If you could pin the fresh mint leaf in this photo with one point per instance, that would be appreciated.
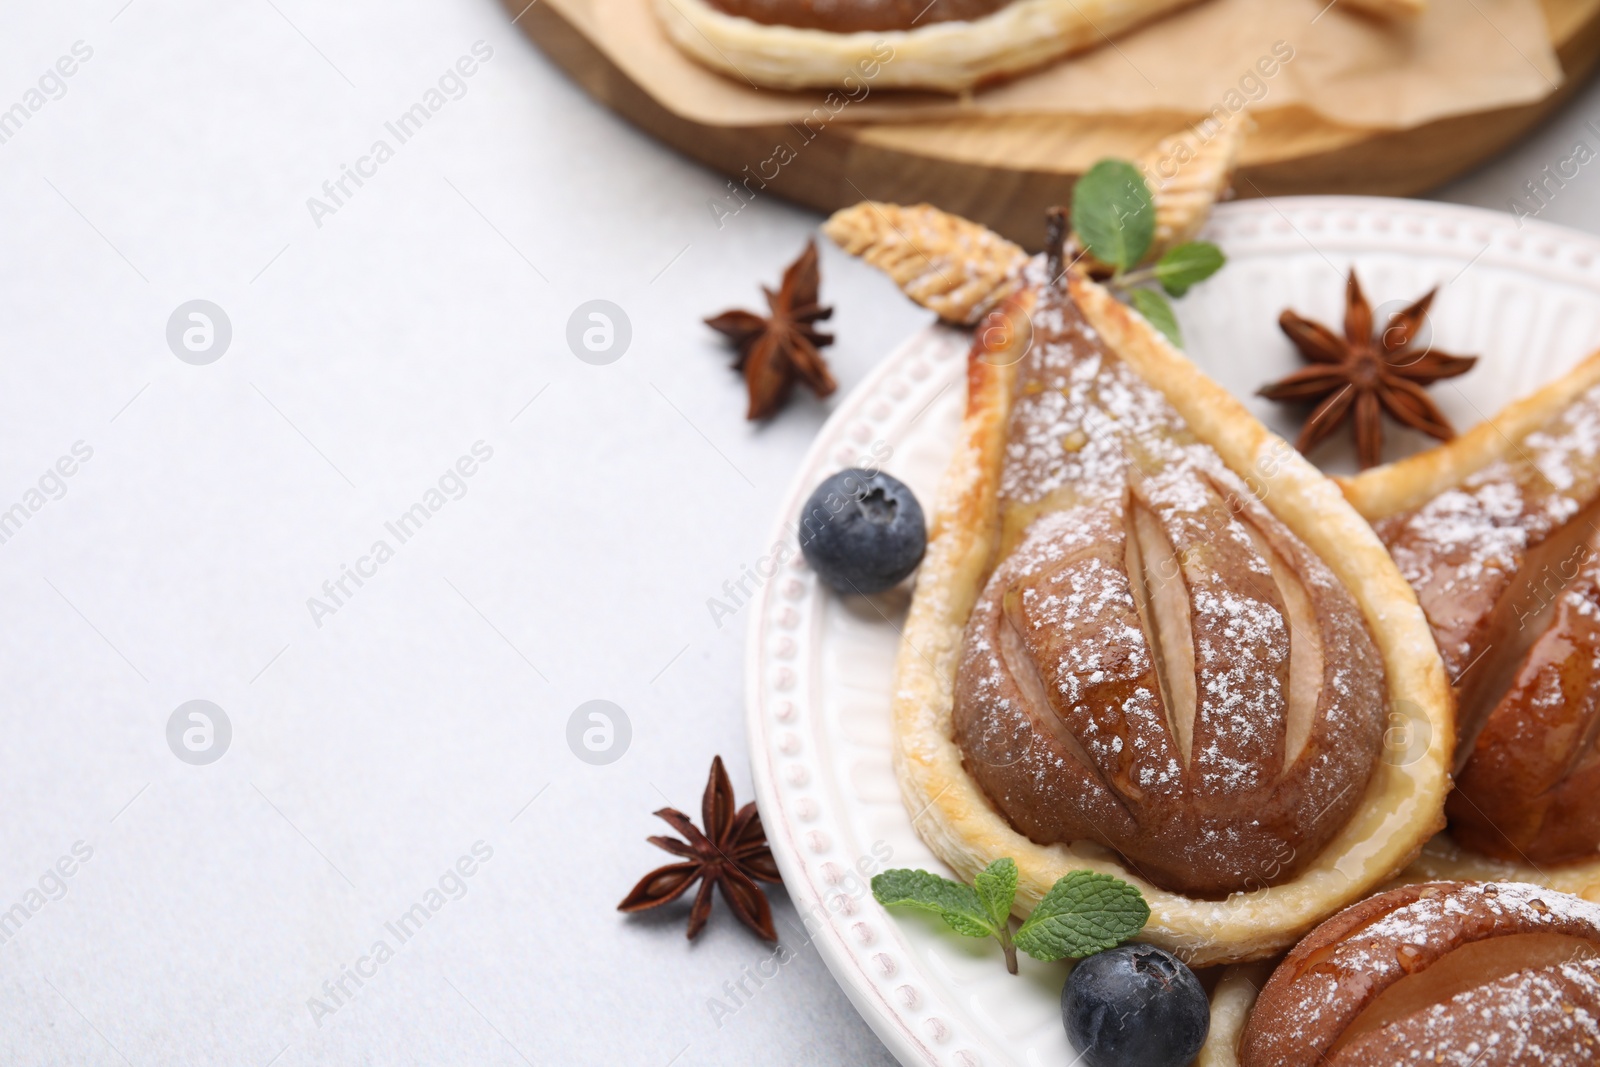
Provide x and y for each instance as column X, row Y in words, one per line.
column 1187, row 264
column 997, row 889
column 1084, row 913
column 1113, row 213
column 1158, row 313
column 958, row 905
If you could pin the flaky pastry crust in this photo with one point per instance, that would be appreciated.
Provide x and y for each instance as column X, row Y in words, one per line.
column 945, row 56
column 954, row 267
column 1188, row 172
column 1231, row 1001
column 1403, row 804
column 1409, row 483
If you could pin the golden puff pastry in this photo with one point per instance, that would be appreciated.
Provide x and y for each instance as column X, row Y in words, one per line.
column 1306, row 544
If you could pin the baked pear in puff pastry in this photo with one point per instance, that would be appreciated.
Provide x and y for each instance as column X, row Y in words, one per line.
column 1149, row 639
column 1157, row 663
column 1497, row 532
column 1482, row 973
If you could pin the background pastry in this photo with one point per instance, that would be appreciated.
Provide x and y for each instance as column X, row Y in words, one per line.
column 948, row 45
column 945, row 45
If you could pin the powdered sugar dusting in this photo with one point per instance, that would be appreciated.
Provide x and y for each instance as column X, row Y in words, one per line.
column 1545, row 1014
column 1461, row 550
column 1091, row 445
column 1528, row 1017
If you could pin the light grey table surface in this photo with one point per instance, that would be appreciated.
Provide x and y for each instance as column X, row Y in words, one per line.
column 378, row 739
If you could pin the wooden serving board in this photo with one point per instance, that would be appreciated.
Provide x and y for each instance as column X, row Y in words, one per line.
column 1006, row 171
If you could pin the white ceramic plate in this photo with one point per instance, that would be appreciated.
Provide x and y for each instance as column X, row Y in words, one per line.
column 819, row 668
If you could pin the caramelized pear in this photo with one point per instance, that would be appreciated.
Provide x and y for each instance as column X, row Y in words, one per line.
column 1503, row 560
column 1491, row 974
column 1157, row 664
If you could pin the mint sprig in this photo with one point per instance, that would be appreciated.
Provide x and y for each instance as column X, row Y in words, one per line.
column 1114, row 214
column 1114, row 218
column 1157, row 311
column 979, row 910
column 1186, row 265
column 1083, row 913
column 997, row 888
column 958, row 905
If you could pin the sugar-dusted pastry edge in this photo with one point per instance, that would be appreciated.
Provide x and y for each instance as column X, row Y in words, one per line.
column 1411, row 482
column 1231, row 1002
column 1404, row 805
column 943, row 56
column 1442, row 860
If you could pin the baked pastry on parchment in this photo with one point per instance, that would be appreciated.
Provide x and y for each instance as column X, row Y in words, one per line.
column 947, row 45
column 941, row 45
column 1150, row 639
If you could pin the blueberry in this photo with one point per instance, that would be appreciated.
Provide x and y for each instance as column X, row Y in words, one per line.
column 1135, row 1006
column 862, row 531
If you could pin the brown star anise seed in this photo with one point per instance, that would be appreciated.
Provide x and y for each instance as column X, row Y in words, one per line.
column 731, row 854
column 776, row 349
column 1362, row 376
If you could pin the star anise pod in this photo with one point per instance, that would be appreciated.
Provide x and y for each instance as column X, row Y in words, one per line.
column 732, row 854
column 1360, row 375
column 776, row 349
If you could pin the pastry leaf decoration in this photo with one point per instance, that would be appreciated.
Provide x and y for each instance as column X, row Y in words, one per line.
column 950, row 265
column 1083, row 913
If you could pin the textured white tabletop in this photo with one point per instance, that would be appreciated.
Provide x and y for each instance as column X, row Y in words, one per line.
column 194, row 513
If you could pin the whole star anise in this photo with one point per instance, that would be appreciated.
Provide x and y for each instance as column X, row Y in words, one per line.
column 776, row 349
column 731, row 854
column 1360, row 375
